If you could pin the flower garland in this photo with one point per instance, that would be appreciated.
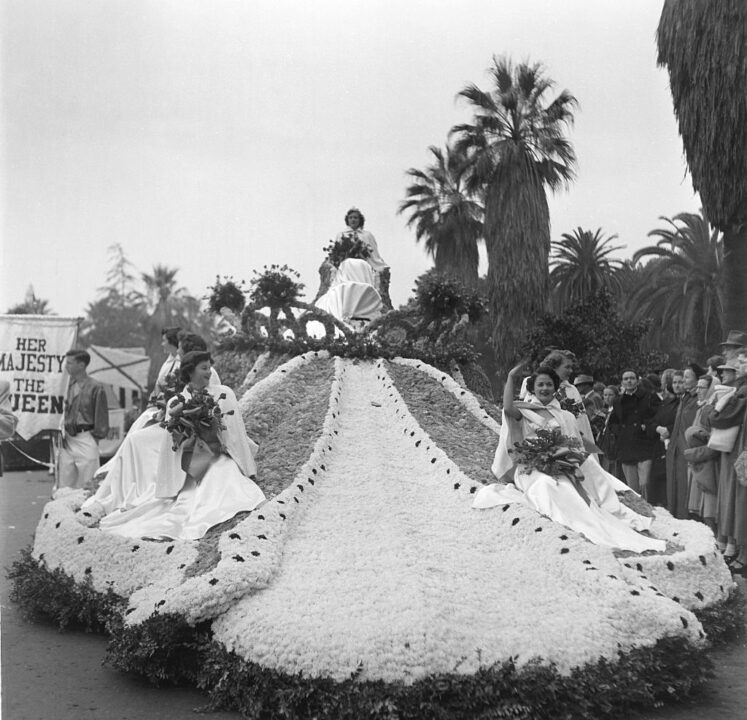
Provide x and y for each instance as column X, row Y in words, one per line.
column 460, row 392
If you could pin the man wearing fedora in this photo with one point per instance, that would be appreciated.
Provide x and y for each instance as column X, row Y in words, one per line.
column 735, row 342
column 592, row 400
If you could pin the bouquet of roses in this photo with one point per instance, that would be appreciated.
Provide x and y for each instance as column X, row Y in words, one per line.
column 550, row 452
column 198, row 417
column 349, row 246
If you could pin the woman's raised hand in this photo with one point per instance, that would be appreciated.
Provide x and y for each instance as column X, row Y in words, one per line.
column 514, row 371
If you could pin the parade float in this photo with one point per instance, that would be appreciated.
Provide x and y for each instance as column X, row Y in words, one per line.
column 367, row 586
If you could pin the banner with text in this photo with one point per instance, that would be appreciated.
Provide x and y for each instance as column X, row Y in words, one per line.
column 32, row 360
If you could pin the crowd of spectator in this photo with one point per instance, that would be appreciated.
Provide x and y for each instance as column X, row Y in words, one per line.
column 678, row 438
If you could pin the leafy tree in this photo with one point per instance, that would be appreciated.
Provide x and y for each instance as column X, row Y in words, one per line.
column 111, row 322
column 445, row 216
column 517, row 150
column 31, row 305
column 120, row 277
column 685, row 291
column 598, row 335
column 702, row 44
column 117, row 317
column 581, row 267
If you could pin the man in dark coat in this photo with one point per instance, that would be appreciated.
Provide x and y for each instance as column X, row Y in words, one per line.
column 634, row 412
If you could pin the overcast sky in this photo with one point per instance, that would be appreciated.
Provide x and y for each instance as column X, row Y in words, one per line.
column 222, row 136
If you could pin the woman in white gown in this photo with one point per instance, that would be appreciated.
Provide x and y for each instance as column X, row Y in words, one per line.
column 354, row 286
column 603, row 520
column 129, row 477
column 206, row 480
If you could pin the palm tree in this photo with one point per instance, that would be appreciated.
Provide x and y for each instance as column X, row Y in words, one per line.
column 445, row 216
column 685, row 289
column 517, row 150
column 701, row 43
column 581, row 267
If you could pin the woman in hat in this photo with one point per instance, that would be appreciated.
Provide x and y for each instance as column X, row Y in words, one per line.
column 701, row 460
column 206, row 464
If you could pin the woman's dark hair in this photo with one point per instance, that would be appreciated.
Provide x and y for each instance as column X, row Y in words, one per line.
column 707, row 378
column 190, row 361
column 172, row 335
column 614, row 389
column 357, row 212
column 191, row 342
column 697, row 369
column 555, row 358
column 543, row 370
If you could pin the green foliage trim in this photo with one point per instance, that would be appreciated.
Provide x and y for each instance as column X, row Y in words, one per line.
column 52, row 595
column 359, row 346
column 725, row 622
column 165, row 649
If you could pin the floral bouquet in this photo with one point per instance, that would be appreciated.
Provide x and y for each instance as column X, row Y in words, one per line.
column 551, row 453
column 349, row 246
column 226, row 294
column 275, row 286
column 198, row 417
column 572, row 406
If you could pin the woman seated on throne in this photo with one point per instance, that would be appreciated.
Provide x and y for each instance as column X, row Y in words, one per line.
column 354, row 277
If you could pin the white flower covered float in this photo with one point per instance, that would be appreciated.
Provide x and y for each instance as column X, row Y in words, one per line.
column 368, row 568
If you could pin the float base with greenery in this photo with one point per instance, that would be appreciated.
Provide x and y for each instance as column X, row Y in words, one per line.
column 367, row 586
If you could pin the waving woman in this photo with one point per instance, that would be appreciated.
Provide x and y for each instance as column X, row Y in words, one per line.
column 583, row 496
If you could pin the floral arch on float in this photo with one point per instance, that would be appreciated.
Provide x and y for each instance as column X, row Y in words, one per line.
column 366, row 586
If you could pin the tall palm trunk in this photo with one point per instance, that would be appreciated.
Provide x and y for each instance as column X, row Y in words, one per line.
column 517, row 235
column 459, row 260
column 735, row 277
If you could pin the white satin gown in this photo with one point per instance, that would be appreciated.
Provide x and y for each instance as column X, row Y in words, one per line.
column 178, row 507
column 352, row 292
column 604, row 521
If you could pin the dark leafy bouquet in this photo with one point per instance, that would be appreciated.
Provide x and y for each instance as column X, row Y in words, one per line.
column 566, row 403
column 276, row 286
column 227, row 294
column 550, row 452
column 442, row 297
column 349, row 246
column 198, row 417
